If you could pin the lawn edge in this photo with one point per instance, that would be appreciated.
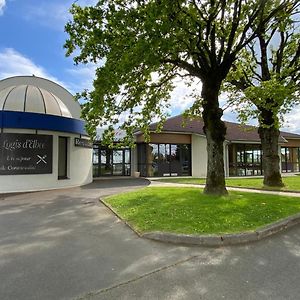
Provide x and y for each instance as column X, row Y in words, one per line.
column 102, row 200
column 213, row 240
column 234, row 186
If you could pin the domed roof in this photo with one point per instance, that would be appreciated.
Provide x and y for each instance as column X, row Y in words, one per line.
column 30, row 98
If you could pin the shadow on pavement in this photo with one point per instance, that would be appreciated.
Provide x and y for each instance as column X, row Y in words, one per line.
column 117, row 183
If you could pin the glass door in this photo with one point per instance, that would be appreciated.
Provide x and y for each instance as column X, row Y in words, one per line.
column 111, row 162
column 164, row 160
column 117, row 159
column 106, row 162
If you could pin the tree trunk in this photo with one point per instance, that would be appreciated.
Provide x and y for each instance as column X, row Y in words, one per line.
column 269, row 136
column 215, row 131
column 270, row 158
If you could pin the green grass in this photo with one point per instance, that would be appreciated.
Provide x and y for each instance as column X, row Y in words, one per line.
column 291, row 183
column 187, row 210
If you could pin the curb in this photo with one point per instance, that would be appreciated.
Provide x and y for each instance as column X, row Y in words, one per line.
column 226, row 239
column 214, row 240
column 119, row 217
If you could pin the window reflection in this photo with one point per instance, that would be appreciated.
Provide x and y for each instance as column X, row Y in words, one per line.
column 108, row 162
column 117, row 156
column 164, row 159
column 245, row 160
column 290, row 159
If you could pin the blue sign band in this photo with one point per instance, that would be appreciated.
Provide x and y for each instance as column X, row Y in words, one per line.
column 27, row 120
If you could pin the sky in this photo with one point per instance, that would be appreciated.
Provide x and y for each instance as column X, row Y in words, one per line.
column 31, row 42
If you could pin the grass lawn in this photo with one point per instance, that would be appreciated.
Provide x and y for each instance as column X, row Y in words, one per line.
column 187, row 210
column 292, row 183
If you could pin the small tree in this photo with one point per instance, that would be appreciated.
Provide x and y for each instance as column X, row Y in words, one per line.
column 267, row 76
column 144, row 44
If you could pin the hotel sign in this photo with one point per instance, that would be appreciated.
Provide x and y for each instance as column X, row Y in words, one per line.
column 83, row 143
column 25, row 154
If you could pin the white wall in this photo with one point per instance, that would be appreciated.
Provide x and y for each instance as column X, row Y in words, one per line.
column 79, row 168
column 199, row 156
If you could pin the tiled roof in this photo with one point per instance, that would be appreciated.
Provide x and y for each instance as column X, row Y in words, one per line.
column 235, row 131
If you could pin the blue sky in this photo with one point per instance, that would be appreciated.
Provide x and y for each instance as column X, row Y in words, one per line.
column 31, row 42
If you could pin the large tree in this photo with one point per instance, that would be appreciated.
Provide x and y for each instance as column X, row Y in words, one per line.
column 142, row 45
column 267, row 75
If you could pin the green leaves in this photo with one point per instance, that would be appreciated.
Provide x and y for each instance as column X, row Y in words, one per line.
column 141, row 46
column 266, row 73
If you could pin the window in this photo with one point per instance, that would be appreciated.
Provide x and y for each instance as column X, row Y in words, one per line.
column 95, row 161
column 108, row 162
column 164, row 159
column 62, row 157
column 245, row 160
column 290, row 159
column 105, row 162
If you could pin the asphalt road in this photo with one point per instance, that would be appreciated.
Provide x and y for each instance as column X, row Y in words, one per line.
column 65, row 245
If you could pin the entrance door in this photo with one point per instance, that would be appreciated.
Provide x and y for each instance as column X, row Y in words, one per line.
column 164, row 160
column 106, row 162
column 111, row 162
column 117, row 158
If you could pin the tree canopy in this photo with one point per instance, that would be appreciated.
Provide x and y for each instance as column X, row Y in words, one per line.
column 142, row 45
column 267, row 72
column 264, row 82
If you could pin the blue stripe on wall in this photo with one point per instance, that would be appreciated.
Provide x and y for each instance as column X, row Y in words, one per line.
column 27, row 120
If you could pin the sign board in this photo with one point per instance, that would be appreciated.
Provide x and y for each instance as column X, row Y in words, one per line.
column 83, row 143
column 25, row 154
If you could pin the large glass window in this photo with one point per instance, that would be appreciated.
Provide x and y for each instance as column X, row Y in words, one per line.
column 185, row 158
column 290, row 159
column 152, row 158
column 108, row 162
column 164, row 159
column 245, row 160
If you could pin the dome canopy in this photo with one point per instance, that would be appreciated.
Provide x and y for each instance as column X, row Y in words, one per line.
column 30, row 98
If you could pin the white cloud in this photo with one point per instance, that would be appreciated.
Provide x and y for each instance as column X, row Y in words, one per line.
column 13, row 63
column 292, row 121
column 181, row 97
column 83, row 76
column 2, row 6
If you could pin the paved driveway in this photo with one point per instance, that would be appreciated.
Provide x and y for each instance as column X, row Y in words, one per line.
column 63, row 245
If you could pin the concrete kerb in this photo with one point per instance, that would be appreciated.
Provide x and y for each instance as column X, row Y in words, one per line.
column 214, row 240
column 119, row 217
column 225, row 239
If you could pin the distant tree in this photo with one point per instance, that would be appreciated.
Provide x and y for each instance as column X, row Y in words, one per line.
column 144, row 44
column 267, row 75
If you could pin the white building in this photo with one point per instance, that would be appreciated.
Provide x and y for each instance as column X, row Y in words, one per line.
column 43, row 142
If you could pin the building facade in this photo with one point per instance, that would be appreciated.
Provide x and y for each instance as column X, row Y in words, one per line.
column 181, row 151
column 43, row 143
